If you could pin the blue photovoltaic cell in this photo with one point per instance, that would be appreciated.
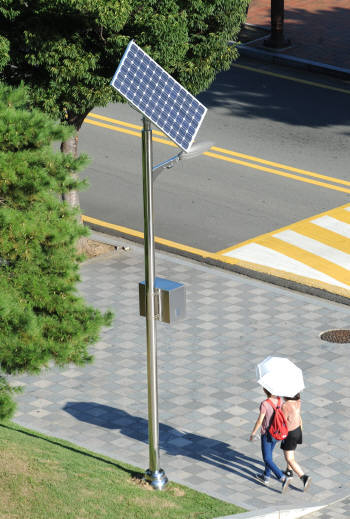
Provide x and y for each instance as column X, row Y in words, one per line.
column 158, row 96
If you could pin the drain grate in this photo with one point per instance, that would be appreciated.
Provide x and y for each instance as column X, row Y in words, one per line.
column 339, row 336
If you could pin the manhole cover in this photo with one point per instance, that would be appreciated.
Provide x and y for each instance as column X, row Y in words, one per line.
column 340, row 336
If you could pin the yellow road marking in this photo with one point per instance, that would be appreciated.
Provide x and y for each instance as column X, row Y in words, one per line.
column 230, row 159
column 130, row 132
column 342, row 215
column 307, row 258
column 276, row 172
column 222, row 150
column 122, row 123
column 162, row 241
column 300, row 223
column 110, row 127
column 282, row 166
column 325, row 236
column 305, row 227
column 290, row 78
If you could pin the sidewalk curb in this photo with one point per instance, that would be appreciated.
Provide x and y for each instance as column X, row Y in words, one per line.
column 284, row 512
column 282, row 59
column 255, row 274
column 272, row 513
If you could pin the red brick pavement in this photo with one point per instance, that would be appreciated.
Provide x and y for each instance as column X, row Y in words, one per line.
column 319, row 30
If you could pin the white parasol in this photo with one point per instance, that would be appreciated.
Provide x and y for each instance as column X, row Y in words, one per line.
column 280, row 376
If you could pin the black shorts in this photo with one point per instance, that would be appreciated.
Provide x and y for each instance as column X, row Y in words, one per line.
column 293, row 439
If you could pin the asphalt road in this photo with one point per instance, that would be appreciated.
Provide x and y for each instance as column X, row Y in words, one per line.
column 266, row 112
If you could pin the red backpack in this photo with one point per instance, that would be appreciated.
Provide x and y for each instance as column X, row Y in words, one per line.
column 278, row 427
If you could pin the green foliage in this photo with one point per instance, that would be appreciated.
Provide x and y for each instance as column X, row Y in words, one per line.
column 7, row 405
column 48, row 478
column 68, row 50
column 41, row 316
column 4, row 52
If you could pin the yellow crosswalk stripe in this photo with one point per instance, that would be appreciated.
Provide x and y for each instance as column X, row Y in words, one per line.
column 293, row 226
column 329, row 238
column 308, row 258
column 341, row 215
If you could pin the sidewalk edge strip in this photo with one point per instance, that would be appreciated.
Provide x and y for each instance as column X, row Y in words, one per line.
column 274, row 276
column 293, row 60
column 162, row 241
column 272, row 513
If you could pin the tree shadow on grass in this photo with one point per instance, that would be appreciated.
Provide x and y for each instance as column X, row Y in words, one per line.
column 172, row 441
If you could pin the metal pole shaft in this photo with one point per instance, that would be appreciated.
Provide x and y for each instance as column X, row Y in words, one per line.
column 277, row 39
column 154, row 474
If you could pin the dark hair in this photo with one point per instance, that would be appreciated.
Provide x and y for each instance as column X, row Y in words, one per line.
column 295, row 397
column 267, row 393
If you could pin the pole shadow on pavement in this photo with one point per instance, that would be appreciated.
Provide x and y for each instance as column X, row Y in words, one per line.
column 172, row 441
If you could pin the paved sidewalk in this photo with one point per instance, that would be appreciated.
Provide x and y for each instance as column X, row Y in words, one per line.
column 338, row 510
column 318, row 29
column 208, row 395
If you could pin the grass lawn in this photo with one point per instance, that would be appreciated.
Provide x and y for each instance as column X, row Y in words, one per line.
column 47, row 478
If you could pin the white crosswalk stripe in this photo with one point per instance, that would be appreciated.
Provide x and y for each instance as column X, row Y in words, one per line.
column 255, row 253
column 332, row 224
column 314, row 251
column 330, row 253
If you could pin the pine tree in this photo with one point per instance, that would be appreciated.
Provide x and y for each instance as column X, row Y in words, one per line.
column 42, row 317
column 4, row 52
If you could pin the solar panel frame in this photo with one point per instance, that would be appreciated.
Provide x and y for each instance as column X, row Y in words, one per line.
column 158, row 96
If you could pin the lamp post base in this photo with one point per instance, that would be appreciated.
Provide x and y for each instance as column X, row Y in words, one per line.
column 276, row 43
column 156, row 479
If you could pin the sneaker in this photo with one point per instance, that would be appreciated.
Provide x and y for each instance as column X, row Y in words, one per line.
column 306, row 481
column 262, row 478
column 285, row 484
column 288, row 473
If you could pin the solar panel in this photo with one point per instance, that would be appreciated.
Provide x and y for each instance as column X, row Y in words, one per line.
column 150, row 89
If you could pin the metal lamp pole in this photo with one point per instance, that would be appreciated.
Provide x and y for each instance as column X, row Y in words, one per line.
column 277, row 39
column 154, row 474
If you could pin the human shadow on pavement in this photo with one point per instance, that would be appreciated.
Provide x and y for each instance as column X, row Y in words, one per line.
column 172, row 441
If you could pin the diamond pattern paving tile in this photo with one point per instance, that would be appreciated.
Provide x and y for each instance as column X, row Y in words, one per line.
column 208, row 395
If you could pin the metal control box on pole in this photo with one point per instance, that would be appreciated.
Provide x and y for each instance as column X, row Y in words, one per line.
column 169, row 300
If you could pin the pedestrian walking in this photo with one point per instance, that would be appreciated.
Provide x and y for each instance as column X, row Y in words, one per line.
column 291, row 409
column 268, row 443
